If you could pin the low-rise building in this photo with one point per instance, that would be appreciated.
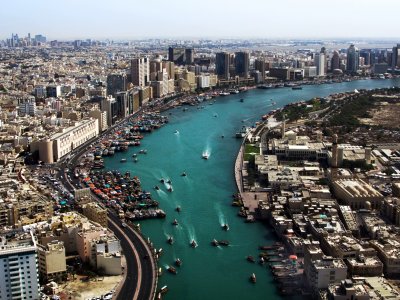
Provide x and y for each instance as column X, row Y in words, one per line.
column 326, row 271
column 94, row 212
column 52, row 262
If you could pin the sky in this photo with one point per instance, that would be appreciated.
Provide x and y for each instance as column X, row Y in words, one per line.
column 132, row 19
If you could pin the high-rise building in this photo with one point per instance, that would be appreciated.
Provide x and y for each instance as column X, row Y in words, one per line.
column 242, row 61
column 18, row 268
column 335, row 62
column 353, row 59
column 140, row 71
column 366, row 55
column 222, row 64
column 320, row 62
column 116, row 83
column 395, row 57
column 176, row 55
column 260, row 66
column 189, row 56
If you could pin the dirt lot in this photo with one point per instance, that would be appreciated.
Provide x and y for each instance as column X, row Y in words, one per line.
column 387, row 115
column 83, row 290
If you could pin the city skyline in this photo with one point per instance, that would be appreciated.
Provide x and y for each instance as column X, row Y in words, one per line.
column 285, row 19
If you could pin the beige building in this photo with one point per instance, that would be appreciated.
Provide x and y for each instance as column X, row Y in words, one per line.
column 94, row 212
column 140, row 71
column 52, row 262
column 101, row 117
column 106, row 255
column 60, row 144
column 326, row 271
column 347, row 289
column 389, row 254
column 357, row 193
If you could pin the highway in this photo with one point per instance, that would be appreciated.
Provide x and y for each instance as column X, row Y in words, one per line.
column 140, row 277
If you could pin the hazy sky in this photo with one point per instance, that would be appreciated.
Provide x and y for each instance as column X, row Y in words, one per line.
column 68, row 19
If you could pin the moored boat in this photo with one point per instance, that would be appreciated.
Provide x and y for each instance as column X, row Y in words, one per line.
column 123, row 160
column 172, row 270
column 250, row 259
column 253, row 278
column 178, row 262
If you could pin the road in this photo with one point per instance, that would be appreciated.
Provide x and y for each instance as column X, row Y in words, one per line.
column 140, row 279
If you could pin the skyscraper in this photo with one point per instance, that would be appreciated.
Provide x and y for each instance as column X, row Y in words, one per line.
column 140, row 71
column 189, row 56
column 395, row 57
column 353, row 59
column 176, row 55
column 116, row 83
column 242, row 61
column 335, row 62
column 259, row 65
column 222, row 64
column 320, row 62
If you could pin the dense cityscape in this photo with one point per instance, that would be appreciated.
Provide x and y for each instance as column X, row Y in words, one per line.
column 314, row 162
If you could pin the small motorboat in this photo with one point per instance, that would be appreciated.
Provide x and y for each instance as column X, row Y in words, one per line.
column 223, row 243
column 170, row 240
column 169, row 181
column 175, row 222
column 172, row 270
column 123, row 160
column 241, row 100
column 162, row 180
column 253, row 278
column 156, row 188
column 222, row 136
column 134, row 155
column 214, row 242
column 178, row 262
column 135, row 160
column 225, row 227
column 183, row 174
column 262, row 260
column 176, row 132
column 193, row 244
column 250, row 259
column 205, row 156
column 169, row 189
column 178, row 209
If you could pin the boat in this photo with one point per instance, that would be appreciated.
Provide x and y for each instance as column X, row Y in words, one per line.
column 134, row 155
column 183, row 174
column 223, row 243
column 178, row 209
column 297, row 87
column 169, row 181
column 143, row 151
column 123, row 160
column 175, row 222
column 164, row 289
column 170, row 240
column 135, row 160
column 205, row 155
column 176, row 131
column 172, row 270
column 156, row 188
column 250, row 259
column 162, row 180
column 169, row 189
column 178, row 262
column 241, row 100
column 225, row 227
column 253, row 278
column 193, row 244
column 222, row 136
column 214, row 242
column 243, row 132
column 159, row 271
column 224, row 94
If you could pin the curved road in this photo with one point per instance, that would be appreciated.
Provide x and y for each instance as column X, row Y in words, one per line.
column 139, row 282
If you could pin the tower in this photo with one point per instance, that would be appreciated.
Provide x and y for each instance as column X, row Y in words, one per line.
column 283, row 128
column 353, row 58
column 320, row 62
column 140, row 71
column 334, row 159
column 335, row 62
column 242, row 64
column 222, row 64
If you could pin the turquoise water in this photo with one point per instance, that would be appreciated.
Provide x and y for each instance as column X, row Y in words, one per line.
column 204, row 195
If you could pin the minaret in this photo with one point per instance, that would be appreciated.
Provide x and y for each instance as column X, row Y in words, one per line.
column 283, row 128
column 334, row 159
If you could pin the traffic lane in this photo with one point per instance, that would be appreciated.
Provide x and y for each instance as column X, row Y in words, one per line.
column 145, row 258
column 127, row 291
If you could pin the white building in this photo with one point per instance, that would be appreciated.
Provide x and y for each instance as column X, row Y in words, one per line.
column 140, row 71
column 326, row 271
column 320, row 62
column 74, row 136
column 203, row 81
column 18, row 268
column 27, row 108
